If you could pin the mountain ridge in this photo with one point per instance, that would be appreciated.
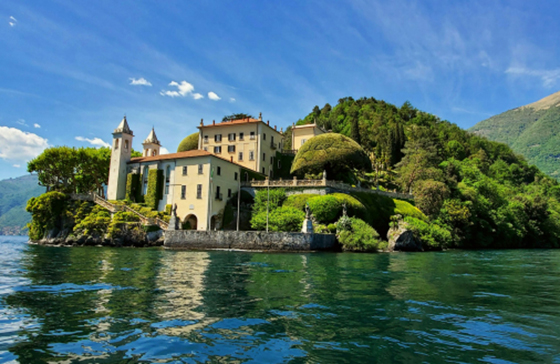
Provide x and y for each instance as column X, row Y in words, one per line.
column 14, row 193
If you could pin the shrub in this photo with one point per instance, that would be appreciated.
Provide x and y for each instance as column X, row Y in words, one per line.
column 405, row 208
column 189, row 143
column 95, row 223
column 432, row 235
column 280, row 219
column 359, row 237
column 46, row 211
column 274, row 199
column 331, row 228
column 325, row 208
column 298, row 201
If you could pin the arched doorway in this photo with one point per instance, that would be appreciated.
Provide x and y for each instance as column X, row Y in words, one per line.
column 214, row 223
column 190, row 222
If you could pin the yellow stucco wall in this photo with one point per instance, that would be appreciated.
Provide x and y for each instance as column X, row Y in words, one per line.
column 301, row 134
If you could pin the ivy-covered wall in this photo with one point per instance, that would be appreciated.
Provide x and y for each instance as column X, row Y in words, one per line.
column 285, row 165
column 133, row 188
column 155, row 188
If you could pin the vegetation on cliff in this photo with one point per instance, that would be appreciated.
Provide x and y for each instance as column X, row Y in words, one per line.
column 475, row 192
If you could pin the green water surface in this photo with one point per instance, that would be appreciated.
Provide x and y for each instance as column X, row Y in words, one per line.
column 107, row 305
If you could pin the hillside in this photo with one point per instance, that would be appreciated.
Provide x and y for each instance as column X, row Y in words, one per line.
column 532, row 130
column 14, row 193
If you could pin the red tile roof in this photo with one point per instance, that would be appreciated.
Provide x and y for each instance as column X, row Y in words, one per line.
column 237, row 122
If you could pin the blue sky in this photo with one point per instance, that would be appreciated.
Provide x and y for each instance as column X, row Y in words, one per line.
column 69, row 70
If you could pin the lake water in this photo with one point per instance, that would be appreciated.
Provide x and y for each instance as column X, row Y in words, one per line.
column 108, row 305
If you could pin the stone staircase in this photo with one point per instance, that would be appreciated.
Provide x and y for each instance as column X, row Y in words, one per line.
column 112, row 208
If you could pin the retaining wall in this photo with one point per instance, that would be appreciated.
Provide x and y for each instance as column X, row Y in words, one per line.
column 248, row 240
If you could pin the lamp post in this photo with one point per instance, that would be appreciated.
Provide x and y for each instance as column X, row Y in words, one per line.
column 238, row 199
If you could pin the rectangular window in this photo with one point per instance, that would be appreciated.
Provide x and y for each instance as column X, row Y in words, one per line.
column 218, row 193
column 183, row 192
column 303, row 141
column 241, row 136
column 229, row 193
column 231, row 148
column 271, row 160
column 219, row 171
column 264, row 172
column 252, row 136
column 218, row 138
column 206, row 139
column 240, row 156
column 251, row 155
column 235, row 176
column 217, row 150
column 167, row 189
column 264, row 136
column 231, row 137
column 272, row 140
column 279, row 164
column 184, row 170
column 199, row 191
column 200, row 169
column 264, row 157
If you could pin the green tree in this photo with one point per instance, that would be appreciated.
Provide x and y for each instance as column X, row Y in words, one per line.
column 237, row 116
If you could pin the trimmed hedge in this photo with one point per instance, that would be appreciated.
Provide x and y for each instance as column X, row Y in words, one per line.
column 279, row 219
column 133, row 190
column 335, row 153
column 189, row 143
column 299, row 201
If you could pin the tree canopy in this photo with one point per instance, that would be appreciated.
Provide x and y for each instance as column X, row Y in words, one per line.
column 237, row 116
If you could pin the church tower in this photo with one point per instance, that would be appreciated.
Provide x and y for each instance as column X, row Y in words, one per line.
column 151, row 145
column 120, row 155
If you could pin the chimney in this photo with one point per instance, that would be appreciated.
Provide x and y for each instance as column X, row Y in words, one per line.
column 281, row 130
column 213, row 122
column 275, row 127
column 260, row 116
column 201, row 122
column 267, row 122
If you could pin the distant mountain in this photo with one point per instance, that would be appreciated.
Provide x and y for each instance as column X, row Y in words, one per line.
column 532, row 130
column 14, row 193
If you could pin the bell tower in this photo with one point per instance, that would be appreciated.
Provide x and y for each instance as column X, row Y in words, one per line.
column 120, row 155
column 151, row 145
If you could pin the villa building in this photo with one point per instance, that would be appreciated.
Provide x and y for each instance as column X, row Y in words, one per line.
column 199, row 181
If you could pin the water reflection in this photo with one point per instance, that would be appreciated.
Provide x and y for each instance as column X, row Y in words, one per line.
column 146, row 305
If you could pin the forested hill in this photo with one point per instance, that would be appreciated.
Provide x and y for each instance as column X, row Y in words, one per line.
column 532, row 130
column 14, row 193
column 475, row 192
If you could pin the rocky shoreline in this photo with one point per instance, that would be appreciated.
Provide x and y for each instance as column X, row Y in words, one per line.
column 151, row 239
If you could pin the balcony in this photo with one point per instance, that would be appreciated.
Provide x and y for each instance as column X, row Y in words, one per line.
column 219, row 196
column 273, row 145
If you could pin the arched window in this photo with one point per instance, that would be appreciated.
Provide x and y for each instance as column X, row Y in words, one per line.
column 126, row 145
column 154, row 153
column 145, row 178
column 116, row 144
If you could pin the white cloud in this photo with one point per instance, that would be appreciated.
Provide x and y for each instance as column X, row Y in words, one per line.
column 21, row 122
column 17, row 145
column 231, row 99
column 163, row 150
column 13, row 21
column 183, row 89
column 213, row 96
column 549, row 77
column 95, row 141
column 37, row 126
column 140, row 82
column 17, row 165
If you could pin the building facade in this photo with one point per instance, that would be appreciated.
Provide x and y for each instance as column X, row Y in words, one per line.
column 302, row 133
column 199, row 181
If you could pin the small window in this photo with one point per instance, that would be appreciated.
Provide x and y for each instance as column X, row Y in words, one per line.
column 271, row 160
column 231, row 137
column 279, row 164
column 303, row 141
column 206, row 139
column 218, row 138
column 264, row 172
column 241, row 136
column 251, row 155
column 183, row 192
column 167, row 173
column 218, row 193
column 116, row 144
column 167, row 189
column 200, row 169
column 231, row 148
column 235, row 176
column 252, row 136
column 126, row 145
column 229, row 193
column 240, row 158
column 205, row 149
column 264, row 136
column 272, row 139
column 217, row 150
column 264, row 157
column 184, row 170
column 219, row 171
column 199, row 191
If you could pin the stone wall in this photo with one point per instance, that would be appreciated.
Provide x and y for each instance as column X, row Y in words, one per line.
column 248, row 240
